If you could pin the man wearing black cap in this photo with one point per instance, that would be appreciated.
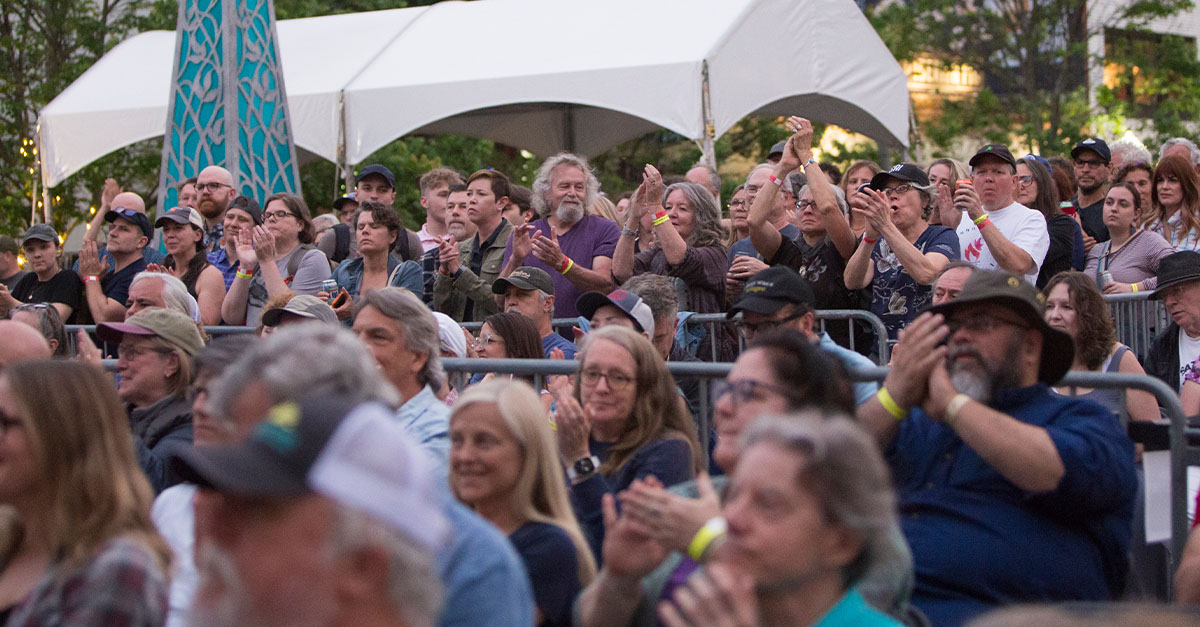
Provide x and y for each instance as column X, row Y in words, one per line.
column 1008, row 492
column 997, row 232
column 243, row 213
column 1173, row 353
column 106, row 292
column 780, row 297
column 1091, row 158
column 530, row 291
column 46, row 281
column 377, row 183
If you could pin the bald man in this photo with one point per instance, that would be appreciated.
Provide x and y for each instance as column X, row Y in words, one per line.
column 216, row 190
column 21, row 343
column 113, row 199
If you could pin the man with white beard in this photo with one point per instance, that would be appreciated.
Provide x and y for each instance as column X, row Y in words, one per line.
column 1009, row 492
column 574, row 248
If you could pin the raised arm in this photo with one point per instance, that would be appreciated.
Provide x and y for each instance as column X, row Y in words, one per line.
column 110, row 191
column 622, row 261
column 837, row 226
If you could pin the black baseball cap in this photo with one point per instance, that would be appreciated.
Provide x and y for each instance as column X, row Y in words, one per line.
column 381, row 171
column 906, row 172
column 526, row 278
column 1000, row 151
column 777, row 149
column 771, row 289
column 249, row 205
column 1094, row 144
column 137, row 218
column 343, row 201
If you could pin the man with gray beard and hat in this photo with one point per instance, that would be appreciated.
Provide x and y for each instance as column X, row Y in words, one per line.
column 1009, row 493
column 574, row 248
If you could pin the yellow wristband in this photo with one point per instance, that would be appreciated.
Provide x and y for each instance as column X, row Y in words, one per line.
column 980, row 219
column 567, row 266
column 242, row 275
column 713, row 529
column 662, row 220
column 1135, row 288
column 889, row 403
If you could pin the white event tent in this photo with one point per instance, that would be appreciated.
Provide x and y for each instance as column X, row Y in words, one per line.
column 540, row 75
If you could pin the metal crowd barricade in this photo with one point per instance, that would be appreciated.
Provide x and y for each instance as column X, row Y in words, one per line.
column 1137, row 319
column 72, row 329
column 714, row 326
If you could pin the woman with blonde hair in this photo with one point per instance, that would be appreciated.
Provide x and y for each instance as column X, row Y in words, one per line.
column 943, row 176
column 604, row 208
column 81, row 546
column 621, row 420
column 858, row 174
column 504, row 465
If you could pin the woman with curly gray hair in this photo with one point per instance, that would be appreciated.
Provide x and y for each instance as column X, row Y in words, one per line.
column 691, row 240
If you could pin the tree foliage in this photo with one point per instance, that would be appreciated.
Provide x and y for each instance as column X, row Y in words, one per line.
column 1033, row 54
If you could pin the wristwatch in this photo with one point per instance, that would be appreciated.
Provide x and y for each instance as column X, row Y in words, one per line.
column 583, row 467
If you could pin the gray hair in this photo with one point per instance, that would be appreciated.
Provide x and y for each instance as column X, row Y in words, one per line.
column 839, row 195
column 844, row 469
column 50, row 325
column 541, row 183
column 1131, row 152
column 418, row 324
column 756, row 169
column 659, row 293
column 414, row 587
column 714, row 177
column 1181, row 141
column 174, row 293
column 303, row 360
column 707, row 230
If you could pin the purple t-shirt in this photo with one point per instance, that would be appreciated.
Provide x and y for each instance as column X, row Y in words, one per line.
column 590, row 237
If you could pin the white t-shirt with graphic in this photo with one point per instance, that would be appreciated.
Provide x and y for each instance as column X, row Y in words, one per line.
column 1024, row 227
column 1189, row 350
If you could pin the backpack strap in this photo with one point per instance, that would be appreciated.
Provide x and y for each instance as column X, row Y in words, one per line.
column 341, row 246
column 294, row 260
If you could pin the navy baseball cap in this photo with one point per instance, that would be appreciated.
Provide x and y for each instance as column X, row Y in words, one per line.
column 1096, row 145
column 769, row 290
column 137, row 218
column 381, row 171
column 630, row 304
column 906, row 172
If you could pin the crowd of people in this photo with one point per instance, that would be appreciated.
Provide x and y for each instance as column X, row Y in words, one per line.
column 314, row 462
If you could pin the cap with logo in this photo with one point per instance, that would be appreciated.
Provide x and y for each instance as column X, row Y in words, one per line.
column 181, row 215
column 377, row 170
column 304, row 306
column 769, row 290
column 630, row 304
column 43, row 232
column 352, row 453
column 249, row 205
column 132, row 216
column 526, row 278
column 177, row 328
column 1098, row 146
column 906, row 172
column 999, row 151
column 1022, row 298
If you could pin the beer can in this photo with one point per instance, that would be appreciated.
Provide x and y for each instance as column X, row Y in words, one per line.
column 1105, row 278
column 959, row 184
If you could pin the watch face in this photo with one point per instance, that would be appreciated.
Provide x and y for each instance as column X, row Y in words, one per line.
column 584, row 466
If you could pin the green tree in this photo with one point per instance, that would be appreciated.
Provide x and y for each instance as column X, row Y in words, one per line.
column 1032, row 53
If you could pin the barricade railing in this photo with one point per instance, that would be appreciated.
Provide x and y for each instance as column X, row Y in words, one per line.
column 1137, row 320
column 72, row 329
column 714, row 326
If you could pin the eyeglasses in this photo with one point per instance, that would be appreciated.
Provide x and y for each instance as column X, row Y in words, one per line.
column 745, row 390
column 277, row 215
column 1089, row 163
column 210, row 187
column 737, row 203
column 981, row 323
column 801, row 205
column 1025, row 180
column 485, row 340
column 615, row 380
column 749, row 330
column 127, row 352
column 898, row 190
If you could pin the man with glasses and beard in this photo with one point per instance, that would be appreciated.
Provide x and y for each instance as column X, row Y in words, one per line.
column 1009, row 493
column 1091, row 158
column 215, row 189
column 574, row 248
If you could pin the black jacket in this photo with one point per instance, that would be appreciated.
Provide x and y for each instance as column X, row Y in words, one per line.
column 1163, row 359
